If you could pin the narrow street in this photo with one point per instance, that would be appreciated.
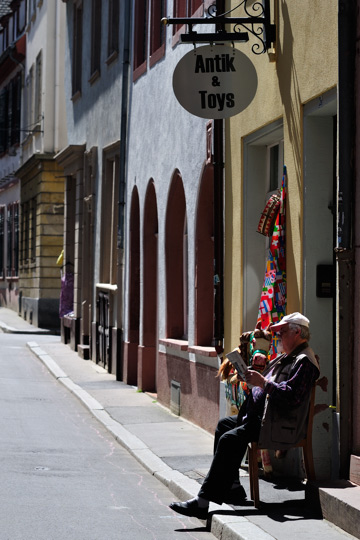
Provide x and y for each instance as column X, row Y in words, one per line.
column 62, row 475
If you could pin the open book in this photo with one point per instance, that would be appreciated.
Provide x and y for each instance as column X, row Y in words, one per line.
column 237, row 361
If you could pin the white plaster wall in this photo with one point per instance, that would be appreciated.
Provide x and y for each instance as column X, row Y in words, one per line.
column 94, row 119
column 163, row 137
column 10, row 163
column 45, row 32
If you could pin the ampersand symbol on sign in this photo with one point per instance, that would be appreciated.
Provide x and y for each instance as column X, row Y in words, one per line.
column 215, row 81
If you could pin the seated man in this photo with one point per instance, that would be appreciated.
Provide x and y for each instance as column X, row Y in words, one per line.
column 274, row 415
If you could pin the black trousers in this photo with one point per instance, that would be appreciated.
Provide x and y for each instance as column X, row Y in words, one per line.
column 230, row 445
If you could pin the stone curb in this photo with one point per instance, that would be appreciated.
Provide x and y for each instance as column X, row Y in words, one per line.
column 11, row 330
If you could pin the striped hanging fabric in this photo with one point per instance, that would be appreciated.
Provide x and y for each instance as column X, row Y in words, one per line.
column 273, row 297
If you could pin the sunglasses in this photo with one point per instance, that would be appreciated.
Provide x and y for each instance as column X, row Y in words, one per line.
column 282, row 332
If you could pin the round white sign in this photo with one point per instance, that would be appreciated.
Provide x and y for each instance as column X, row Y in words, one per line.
column 215, row 81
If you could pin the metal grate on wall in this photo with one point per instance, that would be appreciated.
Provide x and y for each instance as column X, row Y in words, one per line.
column 175, row 398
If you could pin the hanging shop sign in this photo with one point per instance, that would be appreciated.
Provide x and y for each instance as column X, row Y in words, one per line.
column 215, row 81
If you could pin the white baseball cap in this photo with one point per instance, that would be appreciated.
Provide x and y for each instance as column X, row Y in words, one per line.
column 295, row 318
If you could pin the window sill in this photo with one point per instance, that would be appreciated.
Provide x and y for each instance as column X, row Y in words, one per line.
column 28, row 265
column 76, row 96
column 36, row 129
column 183, row 29
column 157, row 55
column 182, row 345
column 94, row 77
column 107, row 287
column 112, row 57
column 203, row 351
column 178, row 344
column 140, row 70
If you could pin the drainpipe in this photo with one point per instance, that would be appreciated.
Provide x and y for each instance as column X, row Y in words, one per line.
column 347, row 16
column 124, row 121
column 122, row 172
column 219, row 222
column 218, row 235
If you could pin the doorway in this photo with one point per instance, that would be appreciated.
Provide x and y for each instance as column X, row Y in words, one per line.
column 319, row 289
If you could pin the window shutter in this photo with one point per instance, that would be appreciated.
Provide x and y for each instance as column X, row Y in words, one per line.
column 4, row 120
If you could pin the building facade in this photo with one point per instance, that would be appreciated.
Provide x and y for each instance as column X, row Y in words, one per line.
column 96, row 59
column 301, row 117
column 354, row 378
column 169, row 332
column 12, row 65
column 43, row 132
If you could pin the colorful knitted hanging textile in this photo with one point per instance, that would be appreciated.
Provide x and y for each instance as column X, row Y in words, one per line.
column 273, row 297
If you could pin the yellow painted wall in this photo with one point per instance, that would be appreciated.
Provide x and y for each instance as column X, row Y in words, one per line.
column 44, row 180
column 305, row 67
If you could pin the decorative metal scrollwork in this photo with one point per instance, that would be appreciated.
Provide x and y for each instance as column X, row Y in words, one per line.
column 255, row 20
column 212, row 11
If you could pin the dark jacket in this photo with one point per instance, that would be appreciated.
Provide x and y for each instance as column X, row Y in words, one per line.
column 283, row 424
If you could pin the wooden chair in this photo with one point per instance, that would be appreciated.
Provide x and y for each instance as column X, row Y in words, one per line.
column 305, row 444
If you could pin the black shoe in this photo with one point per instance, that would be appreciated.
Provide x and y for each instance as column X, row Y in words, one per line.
column 236, row 496
column 190, row 509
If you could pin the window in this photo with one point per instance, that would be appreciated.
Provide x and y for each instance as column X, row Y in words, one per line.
column 15, row 108
column 38, row 90
column 144, row 28
column 113, row 27
column 95, row 38
column 2, row 240
column 5, row 35
column 10, row 27
column 140, row 37
column 32, row 225
column 29, row 113
column 4, row 119
column 19, row 17
column 31, row 9
column 28, row 232
column 12, row 263
column 157, row 31
column 10, row 110
column 275, row 159
column 77, row 51
column 33, row 96
column 186, row 8
column 24, row 233
column 109, row 225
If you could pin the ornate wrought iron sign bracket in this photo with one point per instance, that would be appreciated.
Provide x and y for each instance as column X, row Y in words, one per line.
column 255, row 20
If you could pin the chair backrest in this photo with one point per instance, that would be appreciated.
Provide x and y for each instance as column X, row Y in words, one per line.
column 309, row 430
column 305, row 444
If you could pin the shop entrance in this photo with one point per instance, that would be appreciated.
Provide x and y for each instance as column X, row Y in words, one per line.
column 319, row 287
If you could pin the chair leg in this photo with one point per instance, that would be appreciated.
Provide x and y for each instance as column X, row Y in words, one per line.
column 309, row 463
column 254, row 474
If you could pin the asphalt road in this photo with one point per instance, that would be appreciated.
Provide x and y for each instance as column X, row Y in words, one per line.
column 62, row 476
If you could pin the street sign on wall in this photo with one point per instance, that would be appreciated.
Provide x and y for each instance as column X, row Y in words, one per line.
column 215, row 81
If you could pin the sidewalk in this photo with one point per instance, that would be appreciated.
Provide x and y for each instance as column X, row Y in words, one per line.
column 179, row 453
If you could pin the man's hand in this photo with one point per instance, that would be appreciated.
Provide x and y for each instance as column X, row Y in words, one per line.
column 255, row 378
